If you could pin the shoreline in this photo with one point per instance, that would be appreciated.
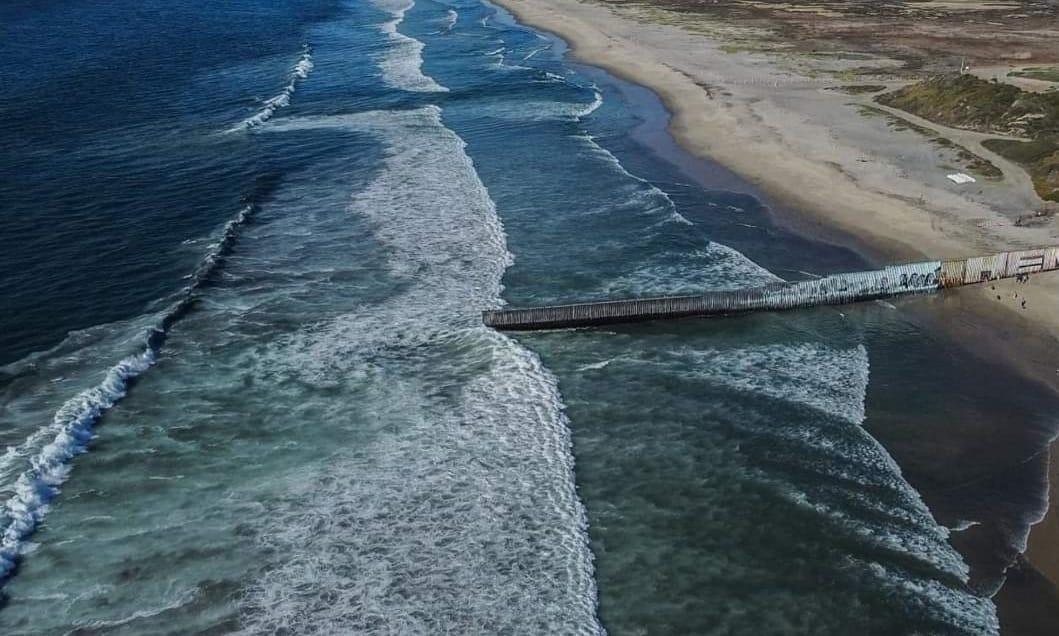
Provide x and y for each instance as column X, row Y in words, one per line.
column 878, row 224
column 823, row 198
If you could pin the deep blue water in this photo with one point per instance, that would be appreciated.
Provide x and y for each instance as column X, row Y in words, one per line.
column 246, row 247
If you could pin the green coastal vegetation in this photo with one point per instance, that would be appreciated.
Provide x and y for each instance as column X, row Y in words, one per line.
column 965, row 101
column 1039, row 157
column 1046, row 73
column 860, row 89
column 965, row 159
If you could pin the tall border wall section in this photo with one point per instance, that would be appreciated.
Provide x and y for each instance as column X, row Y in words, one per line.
column 835, row 289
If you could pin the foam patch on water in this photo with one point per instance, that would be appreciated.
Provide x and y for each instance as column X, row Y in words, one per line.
column 593, row 148
column 402, row 63
column 796, row 409
column 449, row 23
column 594, row 105
column 36, row 387
column 833, row 381
column 529, row 56
column 858, row 486
column 462, row 515
column 499, row 62
column 967, row 612
column 716, row 267
column 298, row 73
column 531, row 110
column 183, row 598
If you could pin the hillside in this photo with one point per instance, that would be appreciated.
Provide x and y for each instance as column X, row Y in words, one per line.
column 965, row 101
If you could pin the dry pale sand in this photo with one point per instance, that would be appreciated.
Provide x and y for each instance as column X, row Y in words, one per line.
column 779, row 123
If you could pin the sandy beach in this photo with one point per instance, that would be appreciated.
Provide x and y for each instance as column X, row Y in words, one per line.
column 791, row 125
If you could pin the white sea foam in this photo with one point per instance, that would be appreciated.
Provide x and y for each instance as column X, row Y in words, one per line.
column 534, row 52
column 969, row 613
column 593, row 106
column 836, row 384
column 595, row 366
column 462, row 516
column 71, row 427
column 451, row 17
column 608, row 156
column 402, row 62
column 67, row 368
column 182, row 599
column 858, row 486
column 499, row 61
column 299, row 72
column 714, row 267
column 832, row 382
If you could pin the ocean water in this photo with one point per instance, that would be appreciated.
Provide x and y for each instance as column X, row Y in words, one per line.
column 246, row 388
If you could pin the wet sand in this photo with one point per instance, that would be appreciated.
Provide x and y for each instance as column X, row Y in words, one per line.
column 845, row 178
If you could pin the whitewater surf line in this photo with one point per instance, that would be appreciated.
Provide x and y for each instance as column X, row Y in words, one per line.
column 73, row 422
column 835, row 289
column 299, row 72
column 402, row 63
column 501, row 440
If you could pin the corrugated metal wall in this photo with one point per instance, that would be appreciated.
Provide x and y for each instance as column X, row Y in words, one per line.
column 829, row 290
column 1003, row 265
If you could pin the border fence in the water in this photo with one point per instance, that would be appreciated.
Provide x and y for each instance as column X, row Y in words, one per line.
column 829, row 290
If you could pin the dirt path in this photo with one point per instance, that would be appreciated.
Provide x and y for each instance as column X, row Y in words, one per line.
column 971, row 140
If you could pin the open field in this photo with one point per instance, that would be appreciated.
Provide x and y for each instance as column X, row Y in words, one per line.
column 926, row 37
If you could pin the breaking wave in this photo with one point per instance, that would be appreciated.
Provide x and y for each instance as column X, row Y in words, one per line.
column 593, row 106
column 402, row 62
column 534, row 52
column 71, row 427
column 500, row 62
column 430, row 511
column 300, row 72
column 600, row 151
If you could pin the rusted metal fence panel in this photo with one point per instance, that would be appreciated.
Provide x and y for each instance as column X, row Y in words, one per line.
column 996, row 266
column 1051, row 258
column 952, row 273
column 829, row 290
column 1026, row 262
column 985, row 268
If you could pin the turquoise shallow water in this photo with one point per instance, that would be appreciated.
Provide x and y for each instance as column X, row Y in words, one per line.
column 313, row 433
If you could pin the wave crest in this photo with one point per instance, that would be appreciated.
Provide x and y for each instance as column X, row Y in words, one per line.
column 299, row 72
column 72, row 425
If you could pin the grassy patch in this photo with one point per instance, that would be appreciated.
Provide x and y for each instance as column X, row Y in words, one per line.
column 743, row 46
column 968, row 161
column 965, row 101
column 1040, row 158
column 1048, row 74
column 859, row 89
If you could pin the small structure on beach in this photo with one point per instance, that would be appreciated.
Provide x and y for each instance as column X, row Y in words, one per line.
column 960, row 178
